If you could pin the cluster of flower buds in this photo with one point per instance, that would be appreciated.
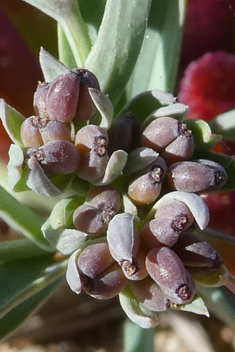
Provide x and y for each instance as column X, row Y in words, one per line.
column 126, row 231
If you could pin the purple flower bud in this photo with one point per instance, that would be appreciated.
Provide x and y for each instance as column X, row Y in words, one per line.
column 195, row 251
column 36, row 131
column 85, row 107
column 150, row 294
column 100, row 276
column 124, row 133
column 62, row 97
column 40, row 100
column 196, row 176
column 170, row 137
column 59, row 156
column 146, row 188
column 167, row 270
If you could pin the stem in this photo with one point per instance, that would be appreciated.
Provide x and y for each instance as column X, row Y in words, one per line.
column 22, row 219
column 34, row 288
column 231, row 283
column 77, row 34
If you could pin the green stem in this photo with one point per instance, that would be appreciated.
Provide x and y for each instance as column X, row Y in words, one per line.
column 76, row 33
column 35, row 287
column 22, row 219
column 231, row 283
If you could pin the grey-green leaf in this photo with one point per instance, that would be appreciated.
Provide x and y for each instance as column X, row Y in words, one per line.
column 224, row 124
column 20, row 313
column 118, row 44
column 51, row 67
column 157, row 64
column 12, row 121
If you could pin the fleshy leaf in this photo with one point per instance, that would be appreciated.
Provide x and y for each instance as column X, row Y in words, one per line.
column 224, row 124
column 65, row 240
column 16, row 177
column 195, row 204
column 104, row 106
column 114, row 168
column 72, row 275
column 62, row 214
column 12, row 121
column 177, row 111
column 67, row 13
column 138, row 159
column 21, row 312
column 136, row 311
column 118, row 44
column 19, row 249
column 22, row 279
column 202, row 134
column 22, row 219
column 121, row 235
column 129, row 207
column 38, row 181
column 137, row 339
column 220, row 302
column 51, row 67
column 197, row 306
column 146, row 102
column 157, row 64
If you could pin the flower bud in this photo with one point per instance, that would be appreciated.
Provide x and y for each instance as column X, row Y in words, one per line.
column 59, row 156
column 94, row 216
column 85, row 107
column 150, row 295
column 170, row 137
column 195, row 251
column 146, row 188
column 167, row 270
column 136, row 269
column 124, row 133
column 40, row 100
column 196, row 176
column 101, row 277
column 62, row 97
column 91, row 141
column 36, row 131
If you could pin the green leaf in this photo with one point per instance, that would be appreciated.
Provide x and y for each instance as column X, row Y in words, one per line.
column 137, row 339
column 67, row 13
column 136, row 311
column 114, row 168
column 22, row 279
column 22, row 219
column 16, row 172
column 51, row 67
column 145, row 103
column 21, row 312
column 104, row 106
column 220, row 302
column 204, row 139
column 157, row 64
column 118, row 44
column 19, row 249
column 197, row 306
column 92, row 18
column 12, row 121
column 224, row 124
